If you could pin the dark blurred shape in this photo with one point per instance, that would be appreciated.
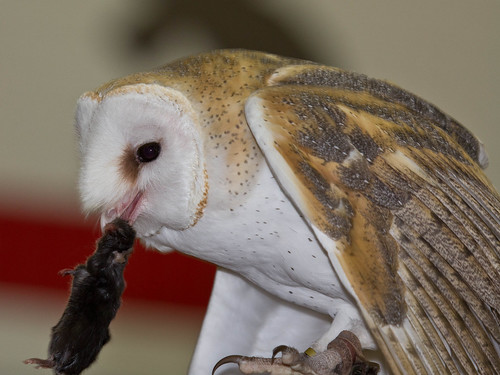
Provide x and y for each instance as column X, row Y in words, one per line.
column 96, row 291
column 233, row 23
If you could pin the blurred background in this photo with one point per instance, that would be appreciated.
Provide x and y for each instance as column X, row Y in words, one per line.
column 447, row 52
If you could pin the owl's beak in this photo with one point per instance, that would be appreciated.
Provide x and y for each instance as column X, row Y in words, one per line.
column 127, row 210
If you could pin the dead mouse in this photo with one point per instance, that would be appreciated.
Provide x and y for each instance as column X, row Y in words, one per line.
column 96, row 291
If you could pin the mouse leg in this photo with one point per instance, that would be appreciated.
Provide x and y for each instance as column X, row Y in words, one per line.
column 40, row 363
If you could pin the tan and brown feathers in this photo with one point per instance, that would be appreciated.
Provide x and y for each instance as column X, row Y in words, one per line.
column 398, row 186
column 393, row 187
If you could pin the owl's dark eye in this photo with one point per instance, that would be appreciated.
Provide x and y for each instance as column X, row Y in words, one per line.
column 148, row 152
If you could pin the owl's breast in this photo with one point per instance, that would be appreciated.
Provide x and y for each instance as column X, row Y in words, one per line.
column 259, row 234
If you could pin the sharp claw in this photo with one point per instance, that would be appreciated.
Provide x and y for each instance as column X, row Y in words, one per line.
column 229, row 359
column 373, row 368
column 278, row 349
column 289, row 355
column 365, row 368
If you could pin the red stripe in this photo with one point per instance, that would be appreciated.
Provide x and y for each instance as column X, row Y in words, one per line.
column 33, row 251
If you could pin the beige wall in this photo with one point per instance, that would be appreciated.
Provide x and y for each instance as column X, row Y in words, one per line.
column 51, row 51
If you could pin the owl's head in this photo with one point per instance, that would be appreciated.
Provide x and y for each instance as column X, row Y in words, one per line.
column 141, row 157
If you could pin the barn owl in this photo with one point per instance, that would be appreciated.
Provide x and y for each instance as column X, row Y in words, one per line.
column 328, row 200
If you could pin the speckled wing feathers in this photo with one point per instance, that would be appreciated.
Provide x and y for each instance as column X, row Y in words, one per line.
column 397, row 185
column 360, row 84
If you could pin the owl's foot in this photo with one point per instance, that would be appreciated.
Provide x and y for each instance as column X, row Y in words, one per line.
column 343, row 356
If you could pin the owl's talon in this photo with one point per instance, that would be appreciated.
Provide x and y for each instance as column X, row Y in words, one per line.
column 229, row 359
column 278, row 349
column 289, row 355
column 365, row 368
column 343, row 356
column 249, row 365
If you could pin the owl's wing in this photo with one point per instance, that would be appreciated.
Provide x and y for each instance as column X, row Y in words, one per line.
column 394, row 191
column 244, row 319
